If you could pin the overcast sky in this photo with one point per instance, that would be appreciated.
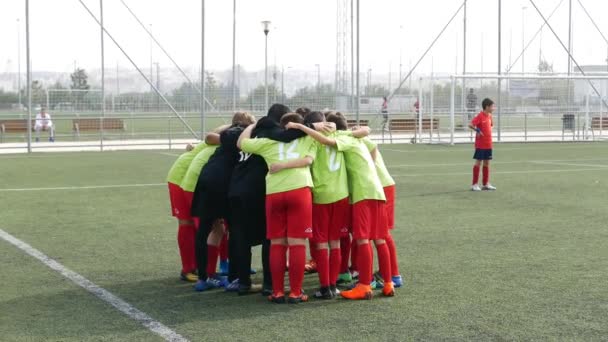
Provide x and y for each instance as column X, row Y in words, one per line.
column 303, row 33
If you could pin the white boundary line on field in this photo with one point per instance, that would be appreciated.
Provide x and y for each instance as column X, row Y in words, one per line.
column 558, row 163
column 501, row 172
column 154, row 326
column 169, row 154
column 84, row 187
column 549, row 161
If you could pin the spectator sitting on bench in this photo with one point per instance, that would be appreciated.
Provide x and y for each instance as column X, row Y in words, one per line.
column 44, row 123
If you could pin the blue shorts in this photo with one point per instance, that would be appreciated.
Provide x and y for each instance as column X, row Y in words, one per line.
column 481, row 154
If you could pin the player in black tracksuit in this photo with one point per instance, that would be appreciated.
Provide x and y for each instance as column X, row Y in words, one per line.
column 210, row 200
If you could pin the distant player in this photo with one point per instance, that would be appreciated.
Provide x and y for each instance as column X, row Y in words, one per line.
column 368, row 211
column 288, row 207
column 482, row 124
column 44, row 123
column 180, row 209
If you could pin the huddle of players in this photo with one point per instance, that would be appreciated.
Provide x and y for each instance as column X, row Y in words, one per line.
column 278, row 182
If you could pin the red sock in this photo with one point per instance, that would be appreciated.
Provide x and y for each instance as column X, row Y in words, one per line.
column 297, row 261
column 486, row 175
column 390, row 243
column 322, row 259
column 313, row 250
column 364, row 266
column 334, row 265
column 278, row 263
column 384, row 262
column 186, row 235
column 354, row 251
column 224, row 248
column 475, row 174
column 212, row 254
column 345, row 253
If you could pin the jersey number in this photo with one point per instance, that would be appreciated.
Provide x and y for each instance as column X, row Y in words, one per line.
column 244, row 156
column 334, row 165
column 290, row 153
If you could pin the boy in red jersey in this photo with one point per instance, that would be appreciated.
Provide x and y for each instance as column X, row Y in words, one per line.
column 482, row 124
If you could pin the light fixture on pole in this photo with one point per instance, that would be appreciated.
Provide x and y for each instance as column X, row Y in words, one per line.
column 523, row 37
column 266, row 24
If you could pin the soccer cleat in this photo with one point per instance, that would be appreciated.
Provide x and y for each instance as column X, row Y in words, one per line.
column 376, row 284
column 190, row 277
column 278, row 298
column 297, row 299
column 204, row 285
column 475, row 188
column 359, row 292
column 253, row 271
column 311, row 266
column 355, row 274
column 266, row 290
column 324, row 293
column 334, row 290
column 222, row 281
column 51, row 139
column 345, row 278
column 388, row 290
column 249, row 289
column 224, row 266
column 488, row 187
column 37, row 139
column 397, row 281
column 233, row 287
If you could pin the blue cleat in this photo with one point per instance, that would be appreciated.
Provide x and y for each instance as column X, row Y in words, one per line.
column 208, row 284
column 233, row 287
column 253, row 271
column 222, row 281
column 397, row 281
column 224, row 266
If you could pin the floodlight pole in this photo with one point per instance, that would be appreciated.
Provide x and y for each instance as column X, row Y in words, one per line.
column 202, row 99
column 19, row 64
column 358, row 109
column 464, row 56
column 352, row 56
column 29, row 76
column 499, row 99
column 103, row 76
column 234, row 55
column 266, row 24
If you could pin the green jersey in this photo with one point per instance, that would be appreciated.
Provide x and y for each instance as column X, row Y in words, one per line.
column 385, row 177
column 179, row 168
column 276, row 152
column 363, row 179
column 329, row 175
column 196, row 166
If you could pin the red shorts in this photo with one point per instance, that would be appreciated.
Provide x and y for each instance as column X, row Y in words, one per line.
column 389, row 193
column 289, row 214
column 180, row 208
column 369, row 220
column 330, row 221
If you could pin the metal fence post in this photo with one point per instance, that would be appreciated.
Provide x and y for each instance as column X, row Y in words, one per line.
column 169, row 133
column 452, row 95
column 420, row 109
column 432, row 104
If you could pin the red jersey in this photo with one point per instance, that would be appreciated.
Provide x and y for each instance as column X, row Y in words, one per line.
column 484, row 122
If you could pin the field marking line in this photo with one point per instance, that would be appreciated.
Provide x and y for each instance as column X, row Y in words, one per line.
column 505, row 162
column 558, row 163
column 498, row 172
column 471, row 149
column 85, row 187
column 169, row 154
column 150, row 323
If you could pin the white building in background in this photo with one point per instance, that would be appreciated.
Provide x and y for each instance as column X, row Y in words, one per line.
column 582, row 87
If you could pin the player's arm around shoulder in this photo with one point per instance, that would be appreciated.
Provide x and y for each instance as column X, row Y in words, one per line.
column 323, row 139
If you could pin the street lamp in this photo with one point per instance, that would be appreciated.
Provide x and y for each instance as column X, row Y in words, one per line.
column 266, row 24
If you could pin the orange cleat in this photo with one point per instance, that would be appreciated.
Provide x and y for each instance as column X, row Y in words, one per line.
column 311, row 266
column 388, row 290
column 358, row 292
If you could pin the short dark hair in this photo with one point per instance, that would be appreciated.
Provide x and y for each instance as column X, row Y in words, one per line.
column 486, row 103
column 303, row 111
column 314, row 117
column 276, row 112
column 291, row 117
column 339, row 120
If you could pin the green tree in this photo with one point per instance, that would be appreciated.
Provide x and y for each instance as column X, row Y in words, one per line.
column 80, row 86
